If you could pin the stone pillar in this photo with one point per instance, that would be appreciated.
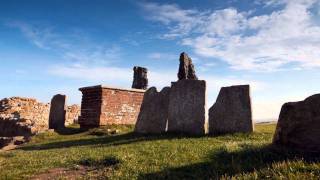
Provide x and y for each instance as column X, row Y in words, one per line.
column 90, row 107
column 186, row 68
column 232, row 111
column 140, row 79
column 153, row 114
column 187, row 107
column 57, row 114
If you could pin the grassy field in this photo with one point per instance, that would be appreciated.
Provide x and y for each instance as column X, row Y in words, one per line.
column 126, row 155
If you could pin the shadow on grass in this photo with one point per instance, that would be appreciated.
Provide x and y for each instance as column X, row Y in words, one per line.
column 104, row 162
column 110, row 140
column 223, row 164
column 70, row 131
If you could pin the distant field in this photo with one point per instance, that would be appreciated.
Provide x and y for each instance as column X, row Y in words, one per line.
column 97, row 154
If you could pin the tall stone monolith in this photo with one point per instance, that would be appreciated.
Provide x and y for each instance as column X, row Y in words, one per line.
column 232, row 111
column 187, row 107
column 57, row 114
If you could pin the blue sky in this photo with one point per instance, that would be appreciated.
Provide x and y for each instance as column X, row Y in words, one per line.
column 55, row 46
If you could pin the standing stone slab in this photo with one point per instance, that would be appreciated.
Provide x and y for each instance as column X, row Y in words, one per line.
column 299, row 125
column 187, row 107
column 232, row 111
column 140, row 79
column 57, row 114
column 153, row 114
column 186, row 68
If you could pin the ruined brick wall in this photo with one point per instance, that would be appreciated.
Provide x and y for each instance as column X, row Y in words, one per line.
column 105, row 105
column 25, row 116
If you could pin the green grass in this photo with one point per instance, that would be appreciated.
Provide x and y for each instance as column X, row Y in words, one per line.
column 131, row 156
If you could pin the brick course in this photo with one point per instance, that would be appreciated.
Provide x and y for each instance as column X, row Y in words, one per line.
column 106, row 105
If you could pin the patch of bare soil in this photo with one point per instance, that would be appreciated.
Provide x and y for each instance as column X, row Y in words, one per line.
column 88, row 168
column 62, row 173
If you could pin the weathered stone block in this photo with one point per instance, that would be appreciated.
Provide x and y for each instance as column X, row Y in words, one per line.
column 232, row 111
column 186, row 68
column 140, row 79
column 57, row 115
column 299, row 125
column 187, row 107
column 153, row 114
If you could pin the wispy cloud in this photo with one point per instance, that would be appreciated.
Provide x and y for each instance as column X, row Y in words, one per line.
column 255, row 42
column 74, row 47
column 162, row 56
column 179, row 21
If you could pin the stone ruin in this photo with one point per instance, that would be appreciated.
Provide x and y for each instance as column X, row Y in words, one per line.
column 140, row 79
column 232, row 111
column 182, row 107
column 24, row 117
column 57, row 115
column 153, row 114
column 102, row 105
column 299, row 125
column 186, row 68
column 187, row 107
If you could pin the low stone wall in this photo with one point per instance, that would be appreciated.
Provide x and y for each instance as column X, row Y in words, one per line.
column 25, row 116
column 106, row 105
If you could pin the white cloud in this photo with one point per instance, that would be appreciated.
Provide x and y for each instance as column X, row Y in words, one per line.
column 179, row 21
column 223, row 22
column 265, row 42
column 162, row 56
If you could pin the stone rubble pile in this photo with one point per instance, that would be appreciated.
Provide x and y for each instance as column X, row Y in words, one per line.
column 26, row 117
column 22, row 116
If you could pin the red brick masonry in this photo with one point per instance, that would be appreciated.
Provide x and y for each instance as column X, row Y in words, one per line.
column 103, row 105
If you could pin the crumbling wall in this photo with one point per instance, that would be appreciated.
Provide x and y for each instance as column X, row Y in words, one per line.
column 26, row 116
column 72, row 115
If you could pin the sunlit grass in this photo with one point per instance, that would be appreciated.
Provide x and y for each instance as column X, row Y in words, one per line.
column 130, row 156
